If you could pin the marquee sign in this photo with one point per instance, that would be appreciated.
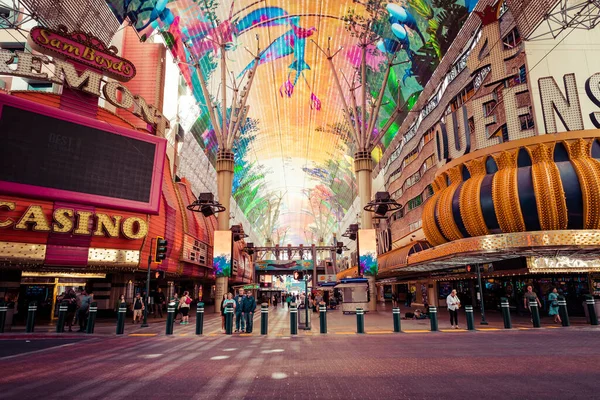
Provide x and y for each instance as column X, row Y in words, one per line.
column 82, row 48
column 68, row 220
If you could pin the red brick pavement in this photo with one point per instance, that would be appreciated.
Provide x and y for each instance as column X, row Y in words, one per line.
column 532, row 364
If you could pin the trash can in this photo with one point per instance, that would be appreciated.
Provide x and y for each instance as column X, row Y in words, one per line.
column 302, row 317
column 583, row 304
column 10, row 314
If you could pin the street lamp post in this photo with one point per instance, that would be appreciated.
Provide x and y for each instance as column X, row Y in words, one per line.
column 483, row 321
column 306, row 325
column 145, row 323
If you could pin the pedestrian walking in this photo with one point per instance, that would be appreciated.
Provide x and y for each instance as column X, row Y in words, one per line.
column 175, row 299
column 275, row 301
column 225, row 296
column 231, row 301
column 453, row 304
column 82, row 312
column 138, row 307
column 120, row 301
column 394, row 300
column 159, row 301
column 409, row 296
column 71, row 300
column 239, row 311
column 184, row 306
column 530, row 295
column 249, row 308
column 553, row 307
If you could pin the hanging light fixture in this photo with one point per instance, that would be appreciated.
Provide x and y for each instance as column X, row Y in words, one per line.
column 382, row 204
column 206, row 204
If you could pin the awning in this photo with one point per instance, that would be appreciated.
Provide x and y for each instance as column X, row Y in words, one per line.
column 399, row 258
column 345, row 285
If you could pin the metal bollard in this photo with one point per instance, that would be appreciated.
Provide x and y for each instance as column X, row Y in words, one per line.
column 535, row 313
column 562, row 311
column 323, row 318
column 200, row 318
column 396, row 317
column 589, row 299
column 170, row 318
column 264, row 319
column 470, row 318
column 63, row 308
column 434, row 318
column 91, row 322
column 121, row 318
column 3, row 311
column 229, row 319
column 360, row 320
column 505, row 306
column 293, row 319
column 31, row 317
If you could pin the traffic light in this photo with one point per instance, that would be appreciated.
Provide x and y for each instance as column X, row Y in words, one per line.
column 340, row 247
column 160, row 252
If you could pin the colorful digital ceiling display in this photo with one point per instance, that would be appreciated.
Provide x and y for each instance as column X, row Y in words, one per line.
column 294, row 176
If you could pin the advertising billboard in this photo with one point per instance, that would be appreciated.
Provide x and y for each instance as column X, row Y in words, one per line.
column 222, row 253
column 367, row 251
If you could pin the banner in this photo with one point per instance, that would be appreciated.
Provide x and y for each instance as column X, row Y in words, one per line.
column 283, row 265
column 367, row 252
column 222, row 253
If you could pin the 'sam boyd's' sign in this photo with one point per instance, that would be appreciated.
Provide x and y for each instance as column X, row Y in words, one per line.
column 81, row 48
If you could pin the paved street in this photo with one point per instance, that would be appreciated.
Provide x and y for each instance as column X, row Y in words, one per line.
column 493, row 364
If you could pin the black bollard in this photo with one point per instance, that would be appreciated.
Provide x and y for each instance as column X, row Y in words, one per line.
column 562, row 311
column 200, row 318
column 293, row 319
column 535, row 313
column 323, row 317
column 470, row 318
column 31, row 317
column 360, row 320
column 396, row 317
column 121, row 318
column 170, row 318
column 63, row 308
column 91, row 322
column 591, row 305
column 3, row 311
column 264, row 319
column 229, row 319
column 505, row 306
column 434, row 318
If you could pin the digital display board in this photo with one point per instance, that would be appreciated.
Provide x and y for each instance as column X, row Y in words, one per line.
column 222, row 253
column 49, row 153
column 367, row 249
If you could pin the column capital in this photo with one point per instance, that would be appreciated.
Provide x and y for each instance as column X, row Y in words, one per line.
column 225, row 161
column 363, row 161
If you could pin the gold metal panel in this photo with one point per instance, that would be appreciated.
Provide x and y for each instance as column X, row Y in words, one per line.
column 113, row 257
column 22, row 252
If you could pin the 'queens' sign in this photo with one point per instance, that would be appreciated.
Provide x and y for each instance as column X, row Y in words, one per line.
column 84, row 49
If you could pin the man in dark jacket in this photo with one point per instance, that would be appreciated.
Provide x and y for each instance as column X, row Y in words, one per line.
column 240, row 300
column 159, row 301
column 249, row 307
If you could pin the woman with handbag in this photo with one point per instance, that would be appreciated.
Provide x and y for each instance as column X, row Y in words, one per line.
column 184, row 307
column 553, row 308
column 453, row 304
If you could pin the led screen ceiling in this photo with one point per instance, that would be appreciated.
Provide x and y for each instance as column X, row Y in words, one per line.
column 294, row 169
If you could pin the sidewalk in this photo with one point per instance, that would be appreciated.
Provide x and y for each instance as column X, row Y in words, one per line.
column 379, row 322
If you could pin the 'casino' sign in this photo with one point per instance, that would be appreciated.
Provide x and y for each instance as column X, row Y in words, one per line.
column 82, row 48
column 76, row 222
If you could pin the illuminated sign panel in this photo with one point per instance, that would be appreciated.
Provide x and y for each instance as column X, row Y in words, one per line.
column 83, row 49
column 222, row 253
column 367, row 250
column 77, row 159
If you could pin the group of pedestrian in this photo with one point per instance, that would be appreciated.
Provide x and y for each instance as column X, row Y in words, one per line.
column 78, row 307
column 244, row 305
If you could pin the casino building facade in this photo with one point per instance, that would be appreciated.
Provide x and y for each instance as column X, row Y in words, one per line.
column 500, row 166
column 88, row 183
